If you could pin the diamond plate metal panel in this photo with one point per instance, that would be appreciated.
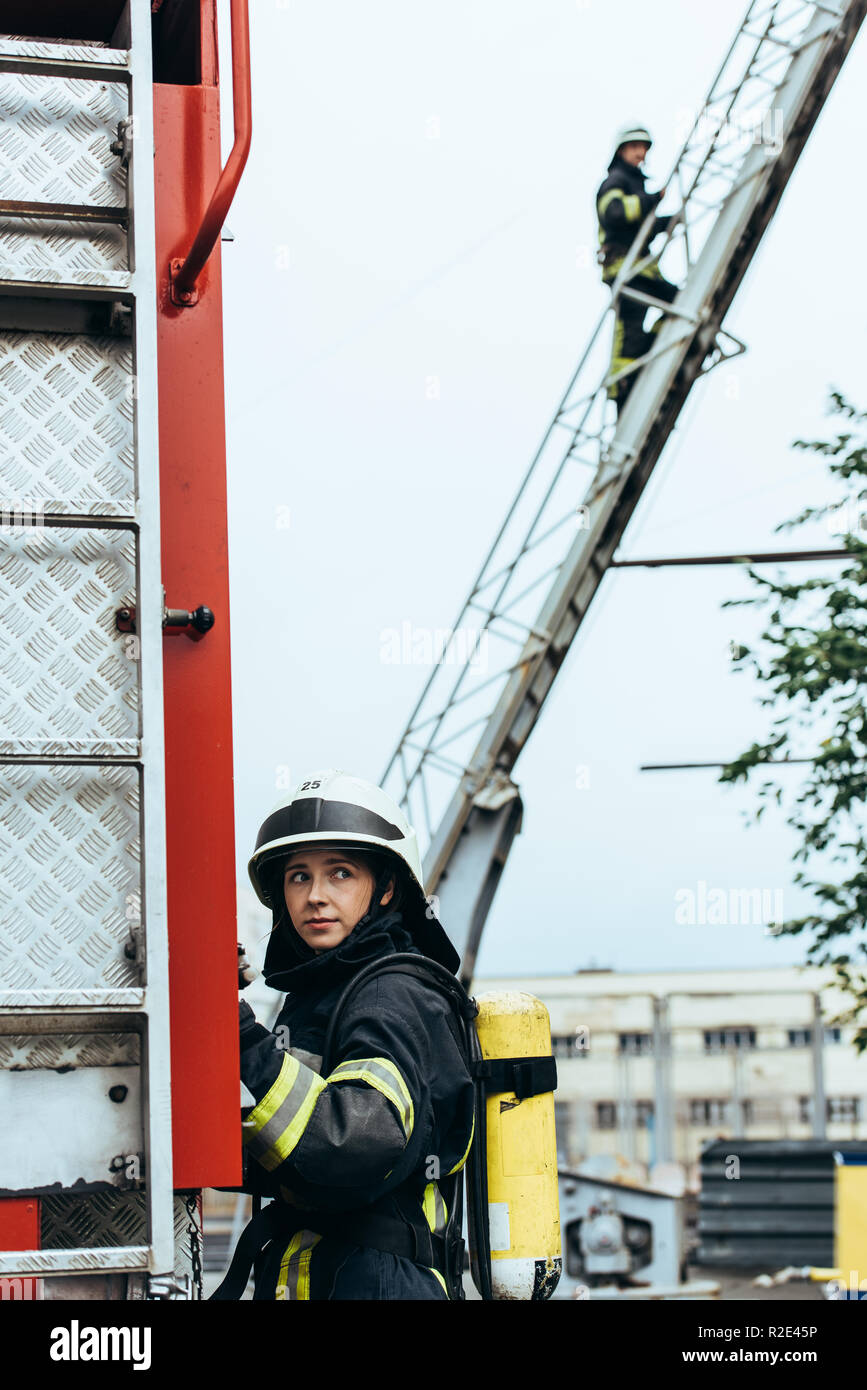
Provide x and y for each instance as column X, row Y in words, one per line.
column 99, row 1219
column 69, row 876
column 104, row 1219
column 23, row 1052
column 95, row 51
column 188, row 1230
column 63, row 253
column 25, row 999
column 66, row 423
column 67, row 676
column 55, row 137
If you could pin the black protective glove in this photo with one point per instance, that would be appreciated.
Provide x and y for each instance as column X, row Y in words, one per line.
column 247, row 973
column 249, row 1029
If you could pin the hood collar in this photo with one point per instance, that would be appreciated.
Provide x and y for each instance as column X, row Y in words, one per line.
column 618, row 162
column 292, row 965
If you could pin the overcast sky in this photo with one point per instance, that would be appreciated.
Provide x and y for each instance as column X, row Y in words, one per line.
column 421, row 181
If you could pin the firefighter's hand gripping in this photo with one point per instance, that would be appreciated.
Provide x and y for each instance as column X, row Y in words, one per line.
column 249, row 1028
column 247, row 973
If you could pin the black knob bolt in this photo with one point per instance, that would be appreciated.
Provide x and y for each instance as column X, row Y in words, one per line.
column 202, row 619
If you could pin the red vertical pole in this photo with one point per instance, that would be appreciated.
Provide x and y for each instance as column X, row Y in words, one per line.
column 197, row 674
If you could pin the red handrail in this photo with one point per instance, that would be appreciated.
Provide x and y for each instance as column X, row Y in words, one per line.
column 185, row 272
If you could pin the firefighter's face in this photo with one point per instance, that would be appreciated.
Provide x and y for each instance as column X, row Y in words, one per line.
column 634, row 152
column 326, row 895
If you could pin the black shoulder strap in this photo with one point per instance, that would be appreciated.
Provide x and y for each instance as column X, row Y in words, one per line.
column 422, row 968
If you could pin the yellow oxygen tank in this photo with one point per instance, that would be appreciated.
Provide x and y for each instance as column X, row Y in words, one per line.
column 514, row 1034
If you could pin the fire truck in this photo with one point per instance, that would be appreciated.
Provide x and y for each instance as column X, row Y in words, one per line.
column 118, row 966
column 118, row 952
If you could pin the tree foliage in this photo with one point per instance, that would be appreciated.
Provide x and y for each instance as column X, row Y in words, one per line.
column 812, row 664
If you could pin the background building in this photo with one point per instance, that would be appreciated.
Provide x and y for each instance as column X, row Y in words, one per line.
column 651, row 1065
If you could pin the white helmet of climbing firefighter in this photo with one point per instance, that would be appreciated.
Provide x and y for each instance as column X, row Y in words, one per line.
column 334, row 809
column 628, row 133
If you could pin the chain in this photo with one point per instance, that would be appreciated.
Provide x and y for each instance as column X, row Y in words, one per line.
column 191, row 1204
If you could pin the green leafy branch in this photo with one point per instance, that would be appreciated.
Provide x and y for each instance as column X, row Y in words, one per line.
column 813, row 664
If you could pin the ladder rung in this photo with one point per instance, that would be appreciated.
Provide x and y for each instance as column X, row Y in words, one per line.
column 85, row 69
column 12, row 754
column 94, row 284
column 63, row 212
column 104, row 1259
column 92, row 999
column 34, row 516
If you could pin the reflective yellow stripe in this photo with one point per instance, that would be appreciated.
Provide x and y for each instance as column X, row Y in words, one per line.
column 428, row 1206
column 384, row 1077
column 610, row 272
column 631, row 204
column 272, row 1130
column 618, row 361
column 435, row 1210
column 461, row 1161
column 436, row 1215
column 293, row 1281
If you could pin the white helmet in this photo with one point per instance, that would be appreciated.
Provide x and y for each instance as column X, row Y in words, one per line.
column 632, row 132
column 336, row 809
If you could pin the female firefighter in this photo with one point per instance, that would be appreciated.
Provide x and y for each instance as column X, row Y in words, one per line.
column 363, row 1153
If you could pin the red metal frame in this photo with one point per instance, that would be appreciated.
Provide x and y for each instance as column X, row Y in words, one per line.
column 197, row 675
column 198, row 713
column 20, row 1224
column 184, row 272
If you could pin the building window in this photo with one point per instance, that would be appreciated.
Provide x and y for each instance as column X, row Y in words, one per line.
column 838, row 1109
column 803, row 1037
column 575, row 1044
column 707, row 1112
column 842, row 1108
column 718, row 1039
column 562, row 1126
column 606, row 1114
column 636, row 1044
column 643, row 1114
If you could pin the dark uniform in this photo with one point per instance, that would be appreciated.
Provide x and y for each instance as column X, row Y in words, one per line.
column 366, row 1143
column 621, row 206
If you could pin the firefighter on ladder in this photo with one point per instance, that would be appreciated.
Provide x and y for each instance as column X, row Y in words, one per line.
column 622, row 204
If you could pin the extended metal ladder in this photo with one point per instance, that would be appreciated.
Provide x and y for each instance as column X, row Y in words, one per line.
column 84, row 1016
column 452, row 767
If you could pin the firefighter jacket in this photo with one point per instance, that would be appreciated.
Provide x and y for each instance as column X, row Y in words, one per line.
column 621, row 206
column 371, row 1138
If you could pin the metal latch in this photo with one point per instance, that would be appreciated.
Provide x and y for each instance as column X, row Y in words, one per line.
column 170, row 1286
column 194, row 623
column 134, row 948
column 200, row 620
column 122, row 145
